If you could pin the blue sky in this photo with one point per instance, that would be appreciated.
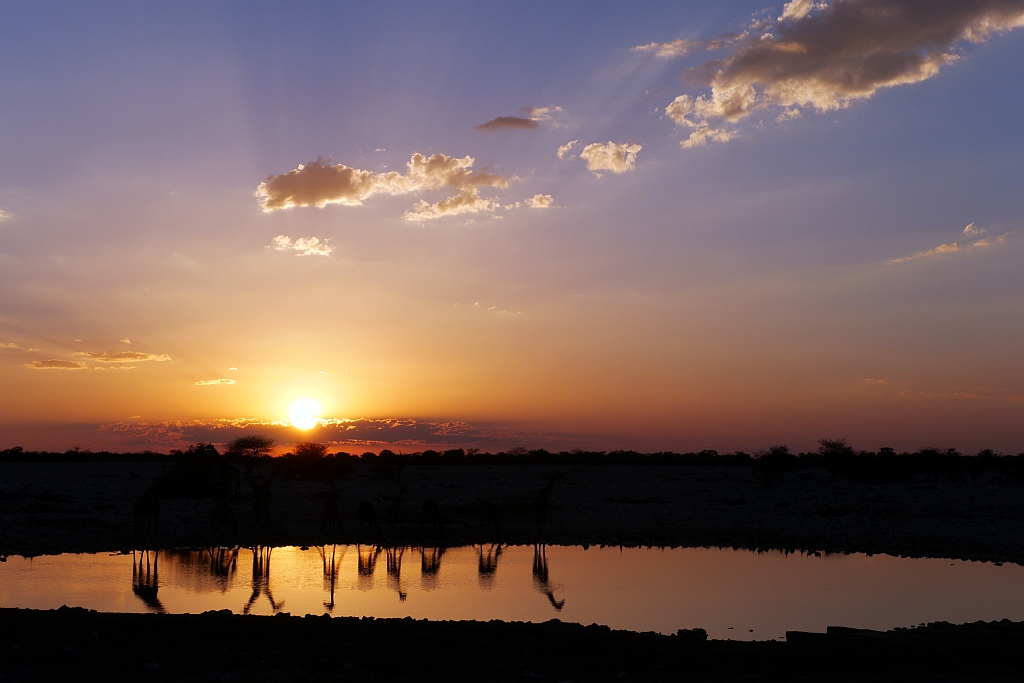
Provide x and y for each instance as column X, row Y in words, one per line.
column 744, row 292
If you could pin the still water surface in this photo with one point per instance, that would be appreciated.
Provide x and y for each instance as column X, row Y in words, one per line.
column 734, row 594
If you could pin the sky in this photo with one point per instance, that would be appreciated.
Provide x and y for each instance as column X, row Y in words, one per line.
column 668, row 226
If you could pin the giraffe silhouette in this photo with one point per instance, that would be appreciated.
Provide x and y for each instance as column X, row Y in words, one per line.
column 331, row 512
column 223, row 564
column 261, row 495
column 489, row 519
column 147, row 511
column 540, row 503
column 145, row 578
column 261, row 579
column 430, row 564
column 540, row 575
column 366, row 565
column 368, row 518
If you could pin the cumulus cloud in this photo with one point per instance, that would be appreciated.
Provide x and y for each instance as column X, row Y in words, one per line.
column 507, row 123
column 465, row 202
column 825, row 55
column 123, row 356
column 55, row 364
column 213, row 382
column 540, row 201
column 566, row 148
column 971, row 230
column 303, row 246
column 126, row 340
column 610, row 156
column 319, row 183
column 677, row 48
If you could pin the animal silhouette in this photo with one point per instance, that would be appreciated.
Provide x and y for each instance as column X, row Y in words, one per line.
column 540, row 576
column 393, row 556
column 147, row 511
column 222, row 515
column 540, row 503
column 145, row 578
column 368, row 518
column 261, row 579
column 331, row 512
column 489, row 520
column 261, row 495
column 223, row 564
column 393, row 516
column 431, row 515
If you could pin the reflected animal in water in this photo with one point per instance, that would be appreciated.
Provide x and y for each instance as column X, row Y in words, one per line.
column 223, row 564
column 145, row 578
column 332, row 565
column 393, row 556
column 261, row 579
column 540, row 503
column 147, row 511
column 540, row 575
column 366, row 562
column 487, row 563
column 430, row 561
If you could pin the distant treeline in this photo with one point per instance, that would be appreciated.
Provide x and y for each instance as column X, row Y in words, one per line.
column 313, row 461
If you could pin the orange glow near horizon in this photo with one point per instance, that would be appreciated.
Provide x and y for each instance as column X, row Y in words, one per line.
column 304, row 413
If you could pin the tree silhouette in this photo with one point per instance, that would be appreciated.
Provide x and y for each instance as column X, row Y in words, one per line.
column 310, row 450
column 253, row 446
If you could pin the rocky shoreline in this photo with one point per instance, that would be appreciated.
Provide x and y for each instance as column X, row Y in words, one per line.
column 48, row 508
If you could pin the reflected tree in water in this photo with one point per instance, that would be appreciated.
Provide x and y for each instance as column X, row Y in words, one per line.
column 487, row 564
column 540, row 575
column 145, row 578
column 261, row 579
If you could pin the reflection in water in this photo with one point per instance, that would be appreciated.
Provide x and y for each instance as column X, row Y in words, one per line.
column 145, row 578
column 487, row 564
column 332, row 565
column 540, row 575
column 261, row 579
column 430, row 565
column 730, row 593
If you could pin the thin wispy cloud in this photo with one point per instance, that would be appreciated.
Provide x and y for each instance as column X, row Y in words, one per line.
column 825, row 55
column 5, row 215
column 610, row 156
column 508, row 123
column 214, row 382
column 56, row 364
column 8, row 345
column 319, row 183
column 123, row 356
column 126, row 340
column 303, row 246
column 566, row 148
column 954, row 247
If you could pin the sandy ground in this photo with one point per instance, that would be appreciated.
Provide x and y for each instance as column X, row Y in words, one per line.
column 78, row 507
column 76, row 645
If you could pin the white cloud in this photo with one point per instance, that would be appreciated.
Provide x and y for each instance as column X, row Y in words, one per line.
column 611, row 156
column 941, row 249
column 702, row 136
column 8, row 345
column 213, row 382
column 4, row 215
column 123, row 356
column 304, row 246
column 971, row 230
column 564, row 149
column 126, row 340
column 826, row 55
column 539, row 201
column 466, row 202
column 676, row 48
column 788, row 115
column 319, row 183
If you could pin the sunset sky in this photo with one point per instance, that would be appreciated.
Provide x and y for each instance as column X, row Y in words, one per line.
column 654, row 226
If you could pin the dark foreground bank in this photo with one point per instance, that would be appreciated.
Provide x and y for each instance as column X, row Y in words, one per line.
column 76, row 644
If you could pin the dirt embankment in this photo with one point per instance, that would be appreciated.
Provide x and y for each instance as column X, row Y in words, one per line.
column 78, row 645
column 80, row 507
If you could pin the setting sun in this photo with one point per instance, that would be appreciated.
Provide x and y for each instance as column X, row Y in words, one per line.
column 304, row 413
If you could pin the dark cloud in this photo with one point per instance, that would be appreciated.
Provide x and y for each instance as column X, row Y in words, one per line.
column 824, row 55
column 507, row 122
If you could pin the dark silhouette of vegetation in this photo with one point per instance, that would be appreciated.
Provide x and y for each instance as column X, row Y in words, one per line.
column 253, row 446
